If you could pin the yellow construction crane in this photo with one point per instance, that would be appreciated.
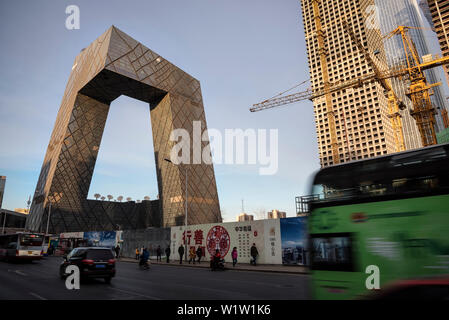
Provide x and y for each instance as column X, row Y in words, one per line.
column 321, row 37
column 423, row 111
column 394, row 103
column 419, row 92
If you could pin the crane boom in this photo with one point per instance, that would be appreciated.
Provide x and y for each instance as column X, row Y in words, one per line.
column 394, row 103
column 423, row 111
column 313, row 94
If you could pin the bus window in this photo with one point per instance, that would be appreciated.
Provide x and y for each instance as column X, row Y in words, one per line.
column 407, row 175
column 332, row 251
column 31, row 240
column 12, row 245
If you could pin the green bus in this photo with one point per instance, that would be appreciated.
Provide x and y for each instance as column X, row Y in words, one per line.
column 390, row 212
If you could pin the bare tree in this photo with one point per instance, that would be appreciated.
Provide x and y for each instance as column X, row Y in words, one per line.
column 223, row 214
column 120, row 198
column 103, row 198
column 110, row 197
column 97, row 195
column 260, row 213
column 128, row 199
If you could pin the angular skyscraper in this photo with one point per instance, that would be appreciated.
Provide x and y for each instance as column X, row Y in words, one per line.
column 113, row 65
column 352, row 123
column 407, row 13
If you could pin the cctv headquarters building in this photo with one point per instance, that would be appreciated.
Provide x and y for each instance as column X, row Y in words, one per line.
column 113, row 65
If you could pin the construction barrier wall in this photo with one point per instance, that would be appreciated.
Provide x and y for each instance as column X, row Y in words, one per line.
column 278, row 241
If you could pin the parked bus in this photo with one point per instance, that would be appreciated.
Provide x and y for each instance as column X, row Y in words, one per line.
column 388, row 214
column 21, row 246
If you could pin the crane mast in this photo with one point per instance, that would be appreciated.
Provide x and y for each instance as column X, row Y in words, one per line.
column 419, row 90
column 330, row 115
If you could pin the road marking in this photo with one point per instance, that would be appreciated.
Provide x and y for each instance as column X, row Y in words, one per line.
column 37, row 296
column 18, row 272
column 136, row 294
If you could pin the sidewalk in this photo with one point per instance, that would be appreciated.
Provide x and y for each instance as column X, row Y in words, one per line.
column 228, row 266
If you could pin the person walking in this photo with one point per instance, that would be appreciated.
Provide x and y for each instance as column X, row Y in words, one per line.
column 199, row 254
column 181, row 253
column 234, row 256
column 117, row 251
column 144, row 257
column 192, row 255
column 159, row 254
column 137, row 254
column 254, row 254
column 167, row 254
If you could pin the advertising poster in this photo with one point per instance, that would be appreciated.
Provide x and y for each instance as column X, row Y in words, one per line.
column 294, row 241
column 226, row 236
column 101, row 238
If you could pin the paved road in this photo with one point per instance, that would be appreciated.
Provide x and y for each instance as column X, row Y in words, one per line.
column 40, row 280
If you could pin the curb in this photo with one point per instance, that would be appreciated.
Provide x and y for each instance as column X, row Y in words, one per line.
column 226, row 267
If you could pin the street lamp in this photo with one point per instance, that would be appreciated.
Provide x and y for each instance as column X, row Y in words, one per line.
column 4, row 222
column 185, row 222
column 49, row 214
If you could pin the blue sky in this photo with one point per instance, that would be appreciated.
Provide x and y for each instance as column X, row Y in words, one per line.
column 241, row 52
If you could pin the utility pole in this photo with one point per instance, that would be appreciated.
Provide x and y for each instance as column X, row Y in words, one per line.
column 4, row 222
column 48, row 217
column 186, row 211
column 185, row 238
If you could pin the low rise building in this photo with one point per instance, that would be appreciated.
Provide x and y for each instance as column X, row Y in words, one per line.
column 245, row 217
column 276, row 214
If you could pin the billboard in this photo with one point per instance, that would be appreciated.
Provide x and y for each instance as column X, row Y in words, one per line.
column 294, row 241
column 101, row 238
column 265, row 234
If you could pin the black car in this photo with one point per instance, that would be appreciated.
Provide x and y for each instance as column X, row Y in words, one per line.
column 93, row 262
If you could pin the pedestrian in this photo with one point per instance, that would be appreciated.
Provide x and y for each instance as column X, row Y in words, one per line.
column 167, row 253
column 137, row 254
column 145, row 255
column 234, row 256
column 254, row 254
column 199, row 254
column 158, row 253
column 51, row 250
column 181, row 253
column 117, row 251
column 192, row 255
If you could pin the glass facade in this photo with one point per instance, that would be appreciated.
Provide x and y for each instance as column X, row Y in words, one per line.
column 113, row 65
column 407, row 13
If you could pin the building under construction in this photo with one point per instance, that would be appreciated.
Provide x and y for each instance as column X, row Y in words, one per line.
column 351, row 123
column 440, row 18
column 358, row 115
